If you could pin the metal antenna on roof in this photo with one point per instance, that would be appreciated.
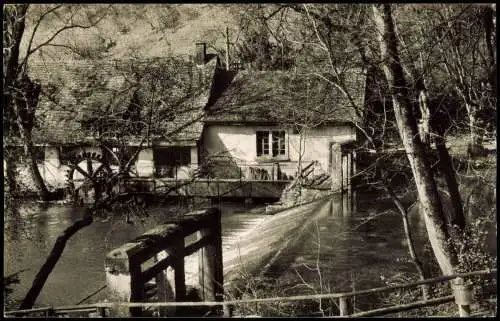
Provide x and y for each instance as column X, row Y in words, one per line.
column 227, row 48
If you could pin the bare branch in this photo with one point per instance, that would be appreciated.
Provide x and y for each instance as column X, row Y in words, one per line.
column 67, row 27
column 38, row 24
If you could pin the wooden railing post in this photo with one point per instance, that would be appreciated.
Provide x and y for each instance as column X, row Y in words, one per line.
column 210, row 260
column 217, row 248
column 345, row 306
column 50, row 312
column 180, row 277
column 102, row 312
column 161, row 288
column 176, row 251
column 463, row 296
column 228, row 311
column 136, row 287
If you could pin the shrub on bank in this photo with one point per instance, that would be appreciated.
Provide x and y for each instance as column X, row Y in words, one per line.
column 476, row 249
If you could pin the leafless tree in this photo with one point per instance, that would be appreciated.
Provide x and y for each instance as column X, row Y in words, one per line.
column 427, row 189
column 457, row 40
column 336, row 53
column 20, row 93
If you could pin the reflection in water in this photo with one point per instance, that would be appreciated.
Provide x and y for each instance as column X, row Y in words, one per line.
column 337, row 207
column 345, row 251
column 345, row 248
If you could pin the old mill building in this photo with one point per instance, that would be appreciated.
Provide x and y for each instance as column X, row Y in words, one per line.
column 192, row 115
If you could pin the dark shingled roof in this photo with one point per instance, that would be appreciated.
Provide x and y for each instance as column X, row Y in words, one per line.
column 76, row 91
column 277, row 96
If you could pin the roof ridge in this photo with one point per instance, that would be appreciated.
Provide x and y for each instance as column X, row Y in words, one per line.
column 37, row 61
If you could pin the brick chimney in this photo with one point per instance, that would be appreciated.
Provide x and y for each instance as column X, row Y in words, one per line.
column 201, row 53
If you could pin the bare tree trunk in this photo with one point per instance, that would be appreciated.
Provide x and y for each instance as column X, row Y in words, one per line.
column 10, row 159
column 457, row 218
column 492, row 41
column 29, row 151
column 435, row 220
column 490, row 27
column 428, row 125
column 446, row 167
column 13, row 30
column 14, row 23
column 409, row 240
column 52, row 259
column 425, row 133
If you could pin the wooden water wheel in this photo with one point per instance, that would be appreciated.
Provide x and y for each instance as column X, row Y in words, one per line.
column 86, row 176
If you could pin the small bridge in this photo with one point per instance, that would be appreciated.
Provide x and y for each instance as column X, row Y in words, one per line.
column 212, row 188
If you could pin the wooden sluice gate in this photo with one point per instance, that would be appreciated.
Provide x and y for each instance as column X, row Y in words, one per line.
column 131, row 267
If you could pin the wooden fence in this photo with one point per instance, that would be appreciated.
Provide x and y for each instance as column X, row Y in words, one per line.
column 462, row 296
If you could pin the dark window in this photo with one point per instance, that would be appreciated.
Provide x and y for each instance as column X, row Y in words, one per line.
column 67, row 154
column 39, row 154
column 167, row 159
column 90, row 127
column 278, row 143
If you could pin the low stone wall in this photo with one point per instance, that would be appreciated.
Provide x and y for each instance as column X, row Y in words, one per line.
column 294, row 195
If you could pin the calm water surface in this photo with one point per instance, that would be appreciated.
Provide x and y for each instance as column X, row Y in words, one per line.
column 351, row 249
column 342, row 253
